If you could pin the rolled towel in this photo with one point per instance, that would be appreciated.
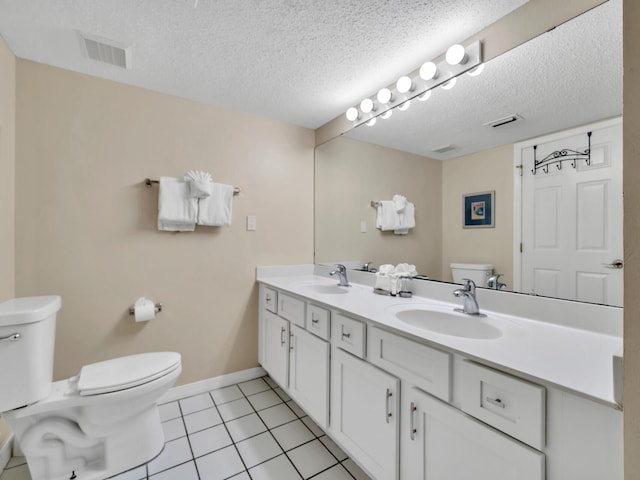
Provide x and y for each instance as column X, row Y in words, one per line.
column 177, row 211
column 200, row 183
column 406, row 270
column 386, row 269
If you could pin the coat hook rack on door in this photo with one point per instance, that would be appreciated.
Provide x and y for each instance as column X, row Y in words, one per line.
column 560, row 156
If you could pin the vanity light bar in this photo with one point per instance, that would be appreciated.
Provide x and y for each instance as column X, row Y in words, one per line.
column 418, row 83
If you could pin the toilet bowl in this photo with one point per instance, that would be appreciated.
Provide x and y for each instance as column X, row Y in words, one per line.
column 94, row 425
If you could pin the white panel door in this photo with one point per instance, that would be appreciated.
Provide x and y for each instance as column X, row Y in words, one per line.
column 275, row 355
column 440, row 442
column 572, row 218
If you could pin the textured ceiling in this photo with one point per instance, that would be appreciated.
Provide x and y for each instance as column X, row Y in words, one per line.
column 567, row 77
column 298, row 61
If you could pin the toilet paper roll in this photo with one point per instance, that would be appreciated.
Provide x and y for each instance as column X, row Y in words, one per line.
column 144, row 310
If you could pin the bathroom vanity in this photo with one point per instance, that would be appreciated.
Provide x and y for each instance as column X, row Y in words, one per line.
column 411, row 389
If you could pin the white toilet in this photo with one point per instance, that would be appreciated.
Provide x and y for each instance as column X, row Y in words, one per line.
column 478, row 272
column 92, row 426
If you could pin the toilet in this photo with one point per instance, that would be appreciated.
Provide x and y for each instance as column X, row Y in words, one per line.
column 94, row 425
column 478, row 272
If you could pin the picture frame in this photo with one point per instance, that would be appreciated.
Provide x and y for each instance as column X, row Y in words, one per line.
column 478, row 210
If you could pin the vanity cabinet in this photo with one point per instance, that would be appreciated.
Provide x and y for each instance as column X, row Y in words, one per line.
column 364, row 413
column 275, row 347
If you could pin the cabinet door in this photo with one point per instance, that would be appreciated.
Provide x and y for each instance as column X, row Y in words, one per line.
column 309, row 374
column 275, row 344
column 364, row 413
column 440, row 442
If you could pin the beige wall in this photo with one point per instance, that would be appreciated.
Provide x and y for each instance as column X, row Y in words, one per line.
column 631, row 239
column 349, row 175
column 480, row 172
column 86, row 226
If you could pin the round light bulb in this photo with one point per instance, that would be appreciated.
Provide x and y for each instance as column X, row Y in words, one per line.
column 404, row 84
column 352, row 114
column 474, row 72
column 366, row 105
column 384, row 96
column 405, row 105
column 449, row 84
column 425, row 96
column 386, row 114
column 428, row 71
column 456, row 55
column 372, row 122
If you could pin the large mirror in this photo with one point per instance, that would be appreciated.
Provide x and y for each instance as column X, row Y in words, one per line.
column 440, row 149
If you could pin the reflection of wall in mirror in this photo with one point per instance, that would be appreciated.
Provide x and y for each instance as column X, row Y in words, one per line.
column 350, row 174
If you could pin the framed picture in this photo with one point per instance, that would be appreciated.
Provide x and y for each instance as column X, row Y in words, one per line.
column 478, row 210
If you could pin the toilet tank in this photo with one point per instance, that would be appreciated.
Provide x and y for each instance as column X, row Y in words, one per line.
column 27, row 336
column 478, row 272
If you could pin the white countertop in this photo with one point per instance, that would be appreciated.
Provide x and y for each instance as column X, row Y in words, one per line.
column 573, row 359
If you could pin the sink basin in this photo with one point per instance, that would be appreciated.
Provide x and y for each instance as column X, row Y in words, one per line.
column 325, row 289
column 448, row 322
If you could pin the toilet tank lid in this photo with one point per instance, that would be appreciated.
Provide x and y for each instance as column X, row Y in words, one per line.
column 472, row 266
column 28, row 309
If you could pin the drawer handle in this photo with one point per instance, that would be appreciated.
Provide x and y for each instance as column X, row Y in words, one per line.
column 269, row 298
column 291, row 341
column 314, row 318
column 387, row 415
column 497, row 402
column 282, row 331
column 346, row 335
column 412, row 426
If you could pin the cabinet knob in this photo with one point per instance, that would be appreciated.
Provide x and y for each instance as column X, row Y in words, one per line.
column 497, row 402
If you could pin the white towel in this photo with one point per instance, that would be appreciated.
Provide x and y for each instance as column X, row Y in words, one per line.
column 406, row 220
column 200, row 183
column 215, row 210
column 177, row 211
column 399, row 202
column 387, row 217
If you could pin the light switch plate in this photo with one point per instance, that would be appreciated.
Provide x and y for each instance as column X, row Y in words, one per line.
column 251, row 223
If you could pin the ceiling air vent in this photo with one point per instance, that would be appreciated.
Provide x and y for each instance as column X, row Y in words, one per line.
column 105, row 50
column 444, row 149
column 509, row 119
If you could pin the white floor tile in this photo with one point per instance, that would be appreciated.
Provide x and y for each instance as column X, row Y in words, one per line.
column 235, row 409
column 173, row 429
column 282, row 395
column 174, row 453
column 185, row 471
column 209, row 440
column 313, row 426
column 278, row 468
column 270, row 381
column 355, row 470
column 15, row 461
column 296, row 409
column 258, row 449
column 254, row 386
column 169, row 411
column 220, row 465
column 202, row 419
column 195, row 403
column 334, row 473
column 333, row 448
column 16, row 473
column 292, row 435
column 139, row 473
column 241, row 476
column 227, row 394
column 311, row 458
column 245, row 427
column 263, row 400
column 277, row 415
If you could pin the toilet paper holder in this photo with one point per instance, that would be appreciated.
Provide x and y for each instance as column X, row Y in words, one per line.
column 158, row 309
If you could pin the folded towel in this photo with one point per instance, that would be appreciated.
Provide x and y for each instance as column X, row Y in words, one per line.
column 177, row 211
column 200, row 183
column 399, row 203
column 387, row 217
column 383, row 282
column 215, row 210
column 406, row 220
column 386, row 269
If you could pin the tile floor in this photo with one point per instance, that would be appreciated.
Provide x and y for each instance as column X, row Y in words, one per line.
column 248, row 431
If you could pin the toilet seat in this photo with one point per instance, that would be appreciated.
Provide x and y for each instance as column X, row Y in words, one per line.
column 126, row 372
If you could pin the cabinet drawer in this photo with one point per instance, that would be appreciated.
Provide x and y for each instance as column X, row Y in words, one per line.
column 423, row 366
column 269, row 299
column 348, row 334
column 291, row 308
column 318, row 321
column 507, row 403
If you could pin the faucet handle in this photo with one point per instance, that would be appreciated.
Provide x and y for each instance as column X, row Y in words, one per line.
column 341, row 268
column 469, row 285
column 494, row 282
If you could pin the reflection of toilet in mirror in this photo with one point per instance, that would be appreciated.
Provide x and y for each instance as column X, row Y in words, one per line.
column 478, row 272
column 92, row 426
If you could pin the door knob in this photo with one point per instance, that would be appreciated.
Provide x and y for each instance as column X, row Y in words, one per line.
column 617, row 263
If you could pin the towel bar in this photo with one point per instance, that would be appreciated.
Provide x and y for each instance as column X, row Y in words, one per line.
column 375, row 204
column 148, row 182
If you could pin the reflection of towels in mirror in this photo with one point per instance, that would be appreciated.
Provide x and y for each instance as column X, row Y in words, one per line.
column 387, row 217
column 215, row 210
column 406, row 220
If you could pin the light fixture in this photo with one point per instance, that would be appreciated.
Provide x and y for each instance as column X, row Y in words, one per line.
column 352, row 114
column 448, row 85
column 474, row 72
column 366, row 105
column 428, row 71
column 404, row 106
column 372, row 122
column 456, row 55
column 386, row 114
column 425, row 96
column 404, row 84
column 385, row 96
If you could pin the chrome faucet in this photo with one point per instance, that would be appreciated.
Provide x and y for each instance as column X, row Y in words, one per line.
column 494, row 282
column 368, row 268
column 468, row 294
column 342, row 275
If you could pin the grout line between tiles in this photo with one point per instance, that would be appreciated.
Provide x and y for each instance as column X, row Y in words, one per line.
column 193, row 459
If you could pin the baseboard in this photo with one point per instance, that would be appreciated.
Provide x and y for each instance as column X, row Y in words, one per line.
column 202, row 386
column 5, row 452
